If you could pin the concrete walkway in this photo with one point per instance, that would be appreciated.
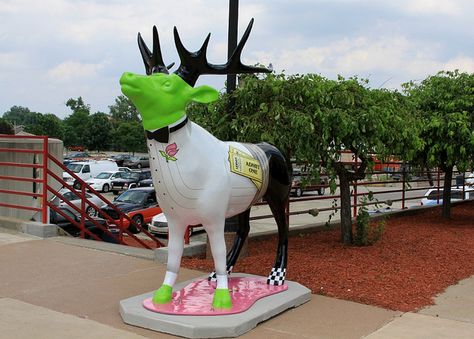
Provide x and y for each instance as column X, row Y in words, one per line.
column 51, row 288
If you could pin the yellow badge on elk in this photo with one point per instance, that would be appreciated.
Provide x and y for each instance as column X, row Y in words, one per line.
column 243, row 164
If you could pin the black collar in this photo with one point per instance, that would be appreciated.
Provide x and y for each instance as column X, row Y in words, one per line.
column 163, row 134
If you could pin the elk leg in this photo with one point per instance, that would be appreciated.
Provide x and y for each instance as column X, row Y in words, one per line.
column 222, row 297
column 278, row 272
column 277, row 197
column 241, row 236
column 164, row 294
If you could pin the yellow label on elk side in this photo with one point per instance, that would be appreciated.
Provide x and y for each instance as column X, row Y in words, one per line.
column 243, row 164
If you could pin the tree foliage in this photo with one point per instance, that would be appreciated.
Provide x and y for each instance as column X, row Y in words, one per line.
column 46, row 124
column 445, row 105
column 123, row 110
column 130, row 137
column 311, row 118
column 5, row 127
column 99, row 132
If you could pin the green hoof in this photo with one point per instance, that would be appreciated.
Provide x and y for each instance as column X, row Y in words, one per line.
column 222, row 298
column 163, row 295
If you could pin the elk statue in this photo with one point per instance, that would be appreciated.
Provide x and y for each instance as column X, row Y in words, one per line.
column 198, row 178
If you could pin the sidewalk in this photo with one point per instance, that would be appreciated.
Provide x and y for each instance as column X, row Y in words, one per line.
column 53, row 289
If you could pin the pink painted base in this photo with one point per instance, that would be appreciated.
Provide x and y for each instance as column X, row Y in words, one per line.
column 196, row 297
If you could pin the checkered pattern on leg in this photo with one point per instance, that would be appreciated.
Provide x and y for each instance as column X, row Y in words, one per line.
column 276, row 276
column 213, row 276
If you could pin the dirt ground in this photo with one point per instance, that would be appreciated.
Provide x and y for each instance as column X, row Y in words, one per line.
column 417, row 257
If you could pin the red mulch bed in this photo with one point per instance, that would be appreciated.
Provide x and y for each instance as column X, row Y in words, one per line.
column 416, row 258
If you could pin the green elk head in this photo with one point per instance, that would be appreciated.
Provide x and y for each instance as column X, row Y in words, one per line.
column 160, row 97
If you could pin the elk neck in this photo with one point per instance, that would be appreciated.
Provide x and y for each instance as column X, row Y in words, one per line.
column 163, row 134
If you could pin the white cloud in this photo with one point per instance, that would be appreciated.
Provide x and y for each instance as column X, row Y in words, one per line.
column 463, row 63
column 73, row 70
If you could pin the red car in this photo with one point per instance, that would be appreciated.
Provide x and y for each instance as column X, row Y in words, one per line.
column 139, row 204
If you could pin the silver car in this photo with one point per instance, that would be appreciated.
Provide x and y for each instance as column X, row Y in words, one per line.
column 74, row 197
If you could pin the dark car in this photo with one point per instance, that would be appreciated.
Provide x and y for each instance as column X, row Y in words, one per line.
column 139, row 204
column 145, row 183
column 74, row 156
column 302, row 182
column 129, row 180
column 137, row 162
column 120, row 158
column 71, row 229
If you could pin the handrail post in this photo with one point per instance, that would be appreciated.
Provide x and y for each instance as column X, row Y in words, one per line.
column 354, row 208
column 45, row 208
column 83, row 208
column 403, row 186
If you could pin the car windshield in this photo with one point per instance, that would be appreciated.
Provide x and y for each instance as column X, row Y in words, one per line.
column 130, row 175
column 132, row 196
column 103, row 175
column 76, row 168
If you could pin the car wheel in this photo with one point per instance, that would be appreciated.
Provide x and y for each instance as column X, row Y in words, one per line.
column 137, row 219
column 321, row 190
column 105, row 188
column 115, row 192
column 298, row 192
column 91, row 211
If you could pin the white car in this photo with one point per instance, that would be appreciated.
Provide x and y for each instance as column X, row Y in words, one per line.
column 103, row 181
column 434, row 196
column 159, row 225
column 75, row 198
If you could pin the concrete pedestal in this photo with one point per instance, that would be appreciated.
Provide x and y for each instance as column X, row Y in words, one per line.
column 134, row 313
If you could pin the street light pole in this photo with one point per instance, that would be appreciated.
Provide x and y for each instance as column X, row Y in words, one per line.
column 232, row 40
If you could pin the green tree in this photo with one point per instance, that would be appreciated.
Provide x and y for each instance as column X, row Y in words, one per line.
column 6, row 127
column 364, row 121
column 76, row 124
column 99, row 132
column 47, row 124
column 311, row 118
column 445, row 104
column 123, row 110
column 130, row 137
column 19, row 115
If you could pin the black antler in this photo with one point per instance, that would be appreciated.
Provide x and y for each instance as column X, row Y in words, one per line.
column 153, row 61
column 193, row 64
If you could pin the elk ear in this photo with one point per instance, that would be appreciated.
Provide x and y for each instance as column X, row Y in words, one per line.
column 204, row 94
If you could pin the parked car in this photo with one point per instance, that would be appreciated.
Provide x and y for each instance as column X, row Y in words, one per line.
column 66, row 225
column 87, row 170
column 434, row 196
column 75, row 198
column 103, row 181
column 76, row 155
column 146, row 183
column 124, row 169
column 120, row 158
column 139, row 204
column 128, row 180
column 159, row 226
column 298, row 186
column 137, row 162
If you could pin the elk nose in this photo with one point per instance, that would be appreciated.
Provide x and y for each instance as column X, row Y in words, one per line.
column 127, row 77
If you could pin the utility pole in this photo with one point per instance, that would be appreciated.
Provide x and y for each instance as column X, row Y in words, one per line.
column 232, row 40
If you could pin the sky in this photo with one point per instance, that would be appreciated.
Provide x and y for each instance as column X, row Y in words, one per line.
column 53, row 50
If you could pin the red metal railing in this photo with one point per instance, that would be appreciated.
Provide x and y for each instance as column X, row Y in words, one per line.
column 49, row 176
column 43, row 180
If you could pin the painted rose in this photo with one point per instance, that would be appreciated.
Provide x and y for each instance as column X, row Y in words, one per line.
column 170, row 152
column 171, row 149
